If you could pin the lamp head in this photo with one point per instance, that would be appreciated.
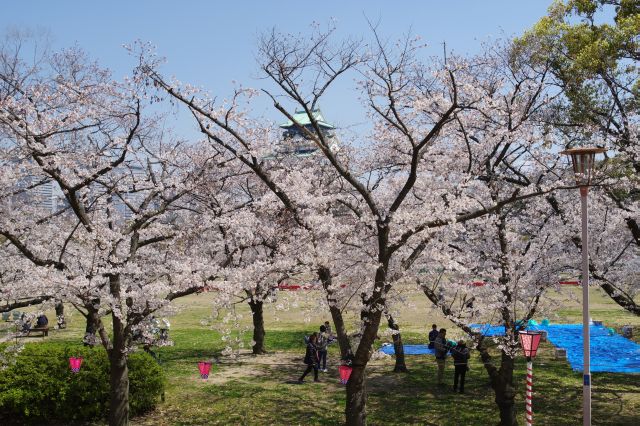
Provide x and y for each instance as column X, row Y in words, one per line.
column 583, row 160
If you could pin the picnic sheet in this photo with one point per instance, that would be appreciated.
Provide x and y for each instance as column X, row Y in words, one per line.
column 610, row 352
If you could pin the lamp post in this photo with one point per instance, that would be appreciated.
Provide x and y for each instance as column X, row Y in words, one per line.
column 529, row 340
column 583, row 160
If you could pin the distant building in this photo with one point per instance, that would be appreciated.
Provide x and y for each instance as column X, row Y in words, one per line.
column 296, row 142
column 133, row 193
column 41, row 193
column 48, row 196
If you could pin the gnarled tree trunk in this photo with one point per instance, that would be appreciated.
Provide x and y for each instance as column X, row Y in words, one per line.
column 355, row 411
column 258, row 326
column 502, row 385
column 398, row 348
column 336, row 315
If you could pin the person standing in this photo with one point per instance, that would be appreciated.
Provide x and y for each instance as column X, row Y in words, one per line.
column 323, row 341
column 327, row 327
column 432, row 335
column 460, row 354
column 441, row 347
column 311, row 358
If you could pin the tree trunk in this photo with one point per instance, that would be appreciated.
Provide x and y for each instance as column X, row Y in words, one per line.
column 258, row 326
column 398, row 348
column 92, row 327
column 61, row 321
column 356, row 411
column 119, row 379
column 119, row 372
column 336, row 315
column 502, row 385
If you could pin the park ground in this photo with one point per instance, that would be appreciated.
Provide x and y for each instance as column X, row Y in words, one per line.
column 254, row 390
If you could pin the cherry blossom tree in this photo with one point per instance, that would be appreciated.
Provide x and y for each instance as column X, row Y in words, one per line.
column 241, row 231
column 111, row 247
column 517, row 253
column 414, row 173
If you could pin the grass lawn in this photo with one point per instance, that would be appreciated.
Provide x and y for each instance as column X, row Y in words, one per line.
column 261, row 390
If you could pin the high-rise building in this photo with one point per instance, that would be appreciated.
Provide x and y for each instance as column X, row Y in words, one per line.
column 48, row 196
column 133, row 194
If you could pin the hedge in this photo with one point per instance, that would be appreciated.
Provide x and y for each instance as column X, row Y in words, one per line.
column 40, row 385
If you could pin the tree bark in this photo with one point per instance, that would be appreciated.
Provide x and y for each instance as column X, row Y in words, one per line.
column 119, row 380
column 356, row 412
column 502, row 385
column 398, row 348
column 92, row 326
column 258, row 326
column 336, row 314
column 119, row 372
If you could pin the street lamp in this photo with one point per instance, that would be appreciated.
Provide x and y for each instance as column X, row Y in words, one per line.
column 583, row 160
column 529, row 340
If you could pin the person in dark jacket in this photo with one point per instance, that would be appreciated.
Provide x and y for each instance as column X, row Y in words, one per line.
column 323, row 341
column 460, row 355
column 42, row 321
column 432, row 335
column 311, row 358
column 442, row 347
column 327, row 327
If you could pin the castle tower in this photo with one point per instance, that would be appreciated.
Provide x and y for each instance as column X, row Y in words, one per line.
column 294, row 140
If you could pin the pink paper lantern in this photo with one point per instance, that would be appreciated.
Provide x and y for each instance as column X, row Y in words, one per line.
column 345, row 373
column 75, row 364
column 204, row 368
column 529, row 340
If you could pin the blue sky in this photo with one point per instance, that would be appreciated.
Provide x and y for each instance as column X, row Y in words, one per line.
column 211, row 43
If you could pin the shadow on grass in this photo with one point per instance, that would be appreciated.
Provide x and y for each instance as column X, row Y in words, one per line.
column 268, row 394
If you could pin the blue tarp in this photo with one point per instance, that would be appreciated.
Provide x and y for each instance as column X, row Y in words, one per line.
column 610, row 352
column 408, row 349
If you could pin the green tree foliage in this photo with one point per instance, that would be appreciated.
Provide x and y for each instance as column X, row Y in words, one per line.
column 592, row 47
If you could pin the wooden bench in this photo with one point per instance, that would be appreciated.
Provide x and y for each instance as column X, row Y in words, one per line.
column 44, row 331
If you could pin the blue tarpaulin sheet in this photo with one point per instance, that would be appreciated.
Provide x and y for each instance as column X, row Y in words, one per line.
column 408, row 350
column 610, row 352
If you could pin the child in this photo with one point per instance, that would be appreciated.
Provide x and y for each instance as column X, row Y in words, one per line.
column 460, row 355
column 311, row 358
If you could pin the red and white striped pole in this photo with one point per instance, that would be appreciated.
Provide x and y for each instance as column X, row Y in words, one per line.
column 529, row 341
column 528, row 408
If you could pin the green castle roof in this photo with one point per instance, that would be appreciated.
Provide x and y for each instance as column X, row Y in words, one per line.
column 302, row 119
